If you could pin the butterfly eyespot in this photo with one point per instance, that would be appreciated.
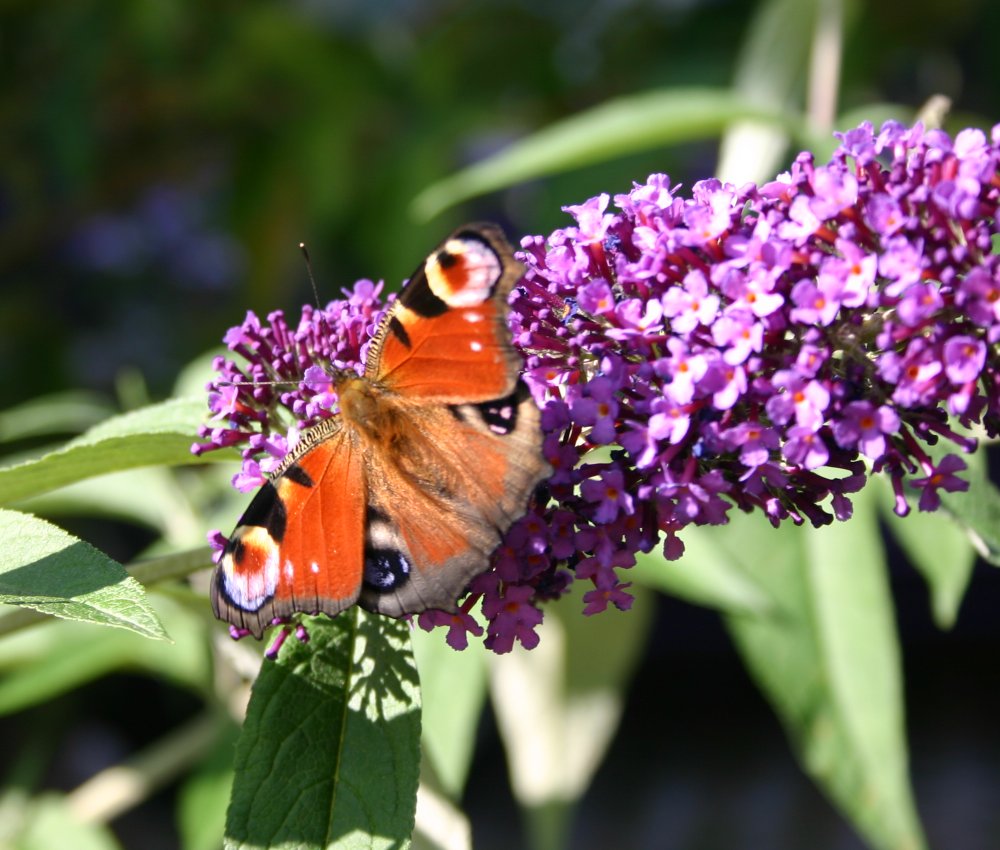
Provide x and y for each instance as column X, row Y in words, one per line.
column 248, row 573
column 446, row 259
column 386, row 569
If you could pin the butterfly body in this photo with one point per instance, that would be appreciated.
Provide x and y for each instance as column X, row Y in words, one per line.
column 398, row 501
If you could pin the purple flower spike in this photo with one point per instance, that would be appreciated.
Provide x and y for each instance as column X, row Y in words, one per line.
column 750, row 347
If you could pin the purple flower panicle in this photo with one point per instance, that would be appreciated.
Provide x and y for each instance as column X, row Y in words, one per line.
column 758, row 347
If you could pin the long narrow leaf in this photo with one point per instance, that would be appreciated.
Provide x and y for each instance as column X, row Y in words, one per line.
column 558, row 706
column 703, row 576
column 453, row 692
column 769, row 73
column 158, row 434
column 940, row 548
column 828, row 661
column 58, row 413
column 623, row 126
column 53, row 658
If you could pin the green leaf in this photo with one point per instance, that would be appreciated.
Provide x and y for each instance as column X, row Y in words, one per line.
column 59, row 413
column 978, row 509
column 622, row 126
column 158, row 434
column 441, row 825
column 452, row 691
column 191, row 380
column 558, row 706
column 705, row 575
column 55, row 657
column 330, row 751
column 146, row 496
column 201, row 805
column 938, row 547
column 828, row 661
column 50, row 824
column 769, row 73
column 45, row 568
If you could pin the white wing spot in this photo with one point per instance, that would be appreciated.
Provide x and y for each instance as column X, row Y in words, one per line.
column 314, row 567
column 472, row 317
column 476, row 345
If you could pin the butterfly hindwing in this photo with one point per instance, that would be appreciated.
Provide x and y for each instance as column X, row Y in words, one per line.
column 446, row 528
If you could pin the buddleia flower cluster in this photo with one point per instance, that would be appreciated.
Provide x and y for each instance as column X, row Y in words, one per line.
column 766, row 348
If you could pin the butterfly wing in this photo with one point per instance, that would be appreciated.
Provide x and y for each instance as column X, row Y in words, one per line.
column 465, row 464
column 445, row 338
column 299, row 547
column 440, row 508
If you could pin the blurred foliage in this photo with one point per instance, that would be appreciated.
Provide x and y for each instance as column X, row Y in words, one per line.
column 159, row 163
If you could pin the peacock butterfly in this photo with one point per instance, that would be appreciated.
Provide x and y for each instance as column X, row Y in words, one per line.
column 399, row 500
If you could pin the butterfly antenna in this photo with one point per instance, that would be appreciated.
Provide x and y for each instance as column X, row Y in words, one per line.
column 309, row 268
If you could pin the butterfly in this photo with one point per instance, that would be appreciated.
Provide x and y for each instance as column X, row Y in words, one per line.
column 396, row 502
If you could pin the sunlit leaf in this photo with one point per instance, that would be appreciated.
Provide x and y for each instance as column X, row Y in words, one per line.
column 49, row 824
column 59, row 413
column 202, row 800
column 769, row 72
column 54, row 657
column 828, row 661
column 704, row 575
column 201, row 805
column 330, row 751
column 146, row 496
column 452, row 691
column 978, row 509
column 623, row 126
column 558, row 706
column 158, row 434
column 938, row 546
column 47, row 569
column 440, row 825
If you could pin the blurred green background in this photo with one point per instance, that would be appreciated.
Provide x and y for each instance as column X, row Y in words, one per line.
column 160, row 162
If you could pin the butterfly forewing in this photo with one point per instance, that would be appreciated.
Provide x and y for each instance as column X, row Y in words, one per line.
column 300, row 545
column 446, row 337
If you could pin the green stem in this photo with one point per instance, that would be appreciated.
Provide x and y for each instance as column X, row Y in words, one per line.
column 111, row 792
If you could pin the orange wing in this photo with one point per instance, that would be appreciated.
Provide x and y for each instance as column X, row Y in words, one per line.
column 446, row 338
column 441, row 504
column 299, row 547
